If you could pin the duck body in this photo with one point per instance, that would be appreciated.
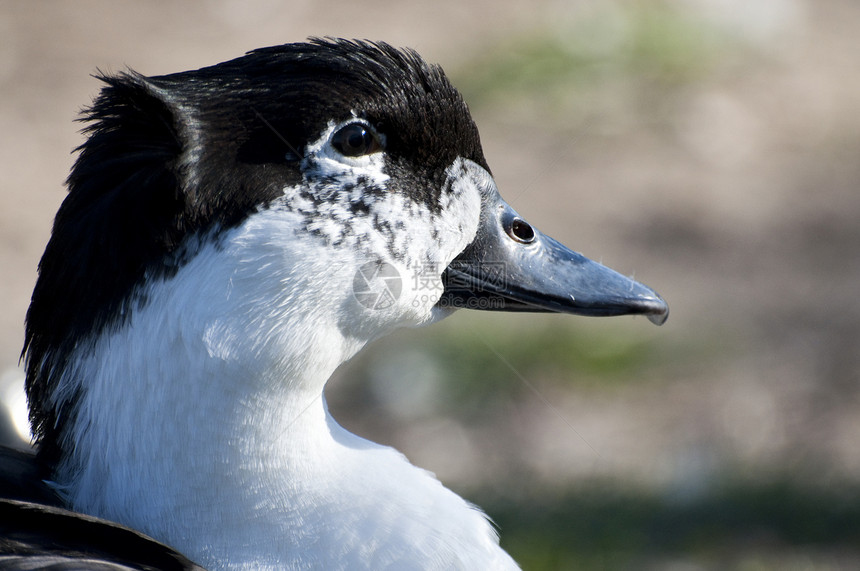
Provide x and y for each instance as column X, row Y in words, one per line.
column 200, row 287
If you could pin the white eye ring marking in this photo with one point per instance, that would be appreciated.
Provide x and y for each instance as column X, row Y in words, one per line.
column 323, row 157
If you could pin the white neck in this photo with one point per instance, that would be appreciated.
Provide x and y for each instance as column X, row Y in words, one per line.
column 203, row 424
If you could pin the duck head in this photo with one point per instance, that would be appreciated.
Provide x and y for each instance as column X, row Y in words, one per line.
column 348, row 176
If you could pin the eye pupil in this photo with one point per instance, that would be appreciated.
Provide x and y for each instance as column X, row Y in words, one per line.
column 355, row 140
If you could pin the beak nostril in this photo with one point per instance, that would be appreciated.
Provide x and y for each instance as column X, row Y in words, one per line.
column 521, row 231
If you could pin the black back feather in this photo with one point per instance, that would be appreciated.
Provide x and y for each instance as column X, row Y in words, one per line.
column 36, row 536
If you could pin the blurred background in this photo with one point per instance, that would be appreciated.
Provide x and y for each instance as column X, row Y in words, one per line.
column 711, row 148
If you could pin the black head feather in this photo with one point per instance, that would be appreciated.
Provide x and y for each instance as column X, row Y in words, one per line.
column 192, row 153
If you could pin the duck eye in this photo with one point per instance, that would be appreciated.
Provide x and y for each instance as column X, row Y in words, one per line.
column 521, row 231
column 355, row 140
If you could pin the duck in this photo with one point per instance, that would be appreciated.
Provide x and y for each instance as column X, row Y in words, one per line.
column 231, row 236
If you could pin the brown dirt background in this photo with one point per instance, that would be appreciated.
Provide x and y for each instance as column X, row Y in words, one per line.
column 737, row 198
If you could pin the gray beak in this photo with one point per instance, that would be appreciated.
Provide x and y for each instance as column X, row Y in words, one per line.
column 511, row 266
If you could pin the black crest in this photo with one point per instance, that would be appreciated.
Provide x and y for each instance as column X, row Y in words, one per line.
column 192, row 153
